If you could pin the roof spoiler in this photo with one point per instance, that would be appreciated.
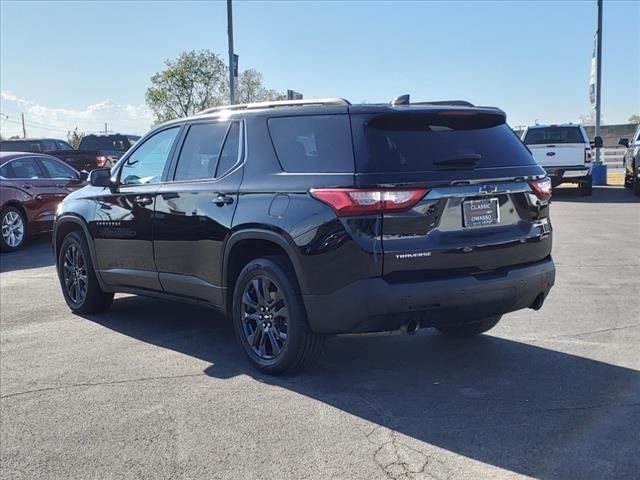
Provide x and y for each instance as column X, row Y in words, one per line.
column 406, row 100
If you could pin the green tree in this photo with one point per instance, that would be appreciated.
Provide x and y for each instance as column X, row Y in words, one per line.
column 190, row 83
column 73, row 138
column 250, row 88
column 635, row 118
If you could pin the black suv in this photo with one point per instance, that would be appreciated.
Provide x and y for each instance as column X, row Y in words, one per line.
column 312, row 217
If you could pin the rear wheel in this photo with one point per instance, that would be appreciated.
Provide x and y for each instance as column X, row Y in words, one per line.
column 586, row 187
column 269, row 317
column 77, row 276
column 14, row 229
column 469, row 329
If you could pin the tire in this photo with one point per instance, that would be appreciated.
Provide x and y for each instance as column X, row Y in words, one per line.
column 13, row 231
column 469, row 329
column 586, row 188
column 267, row 304
column 76, row 268
column 636, row 183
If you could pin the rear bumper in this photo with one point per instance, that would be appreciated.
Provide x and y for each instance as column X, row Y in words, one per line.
column 568, row 174
column 374, row 305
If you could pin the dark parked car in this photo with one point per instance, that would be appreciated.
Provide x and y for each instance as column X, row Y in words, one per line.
column 631, row 162
column 305, row 218
column 96, row 151
column 36, row 145
column 31, row 187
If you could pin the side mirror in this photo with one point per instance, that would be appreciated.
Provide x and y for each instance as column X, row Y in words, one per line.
column 624, row 142
column 597, row 142
column 100, row 177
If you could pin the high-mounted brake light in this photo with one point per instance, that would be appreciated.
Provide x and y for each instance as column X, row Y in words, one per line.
column 351, row 201
column 542, row 188
column 101, row 160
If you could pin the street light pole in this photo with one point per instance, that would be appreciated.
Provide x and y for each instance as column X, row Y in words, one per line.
column 598, row 78
column 232, row 86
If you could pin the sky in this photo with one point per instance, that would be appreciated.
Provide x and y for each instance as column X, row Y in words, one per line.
column 68, row 64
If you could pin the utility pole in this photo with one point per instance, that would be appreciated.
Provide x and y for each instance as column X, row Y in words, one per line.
column 598, row 79
column 24, row 130
column 106, row 132
column 232, row 83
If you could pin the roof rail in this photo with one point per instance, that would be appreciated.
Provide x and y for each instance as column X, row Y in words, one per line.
column 278, row 103
column 453, row 103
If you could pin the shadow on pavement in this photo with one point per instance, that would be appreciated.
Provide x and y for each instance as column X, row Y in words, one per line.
column 37, row 252
column 604, row 194
column 519, row 407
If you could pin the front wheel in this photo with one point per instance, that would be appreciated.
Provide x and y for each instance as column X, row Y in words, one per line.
column 77, row 276
column 470, row 329
column 14, row 229
column 269, row 317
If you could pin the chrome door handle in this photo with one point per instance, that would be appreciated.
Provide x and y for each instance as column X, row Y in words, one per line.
column 222, row 199
column 143, row 200
column 27, row 186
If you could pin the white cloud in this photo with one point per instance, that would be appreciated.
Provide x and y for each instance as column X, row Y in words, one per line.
column 43, row 121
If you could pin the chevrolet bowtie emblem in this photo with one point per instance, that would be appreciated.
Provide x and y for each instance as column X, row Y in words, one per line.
column 488, row 189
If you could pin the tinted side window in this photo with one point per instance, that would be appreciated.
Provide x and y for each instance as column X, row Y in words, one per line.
column 146, row 164
column 48, row 145
column 229, row 154
column 20, row 146
column 318, row 143
column 57, row 169
column 200, row 151
column 63, row 146
column 23, row 168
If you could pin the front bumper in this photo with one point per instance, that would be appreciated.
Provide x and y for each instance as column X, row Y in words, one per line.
column 374, row 305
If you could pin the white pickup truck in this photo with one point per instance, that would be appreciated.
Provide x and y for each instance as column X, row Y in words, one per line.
column 564, row 152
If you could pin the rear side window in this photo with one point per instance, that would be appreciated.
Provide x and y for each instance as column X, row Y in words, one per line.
column 200, row 151
column 318, row 143
column 23, row 168
column 425, row 142
column 229, row 154
column 553, row 135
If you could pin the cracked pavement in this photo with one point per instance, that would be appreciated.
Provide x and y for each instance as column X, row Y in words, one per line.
column 156, row 390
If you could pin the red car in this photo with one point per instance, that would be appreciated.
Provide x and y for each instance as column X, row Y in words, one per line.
column 31, row 187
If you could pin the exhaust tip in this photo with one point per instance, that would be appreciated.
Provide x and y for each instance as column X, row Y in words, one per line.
column 538, row 302
column 410, row 327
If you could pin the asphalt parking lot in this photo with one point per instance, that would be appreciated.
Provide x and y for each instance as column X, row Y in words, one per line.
column 153, row 389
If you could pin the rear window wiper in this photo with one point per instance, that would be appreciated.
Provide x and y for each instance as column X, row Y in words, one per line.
column 459, row 161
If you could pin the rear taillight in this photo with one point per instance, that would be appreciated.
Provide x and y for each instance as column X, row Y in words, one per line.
column 587, row 155
column 542, row 188
column 351, row 201
column 101, row 160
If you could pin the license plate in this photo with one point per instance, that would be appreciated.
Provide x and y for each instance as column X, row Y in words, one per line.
column 477, row 213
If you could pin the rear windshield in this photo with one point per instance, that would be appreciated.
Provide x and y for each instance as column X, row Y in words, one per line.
column 553, row 135
column 112, row 142
column 315, row 143
column 435, row 141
